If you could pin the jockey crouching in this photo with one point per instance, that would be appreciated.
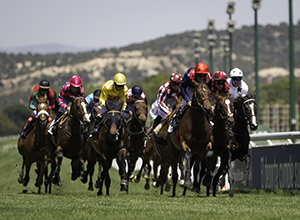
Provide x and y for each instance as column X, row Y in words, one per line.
column 165, row 101
column 114, row 93
column 192, row 76
column 39, row 90
column 70, row 89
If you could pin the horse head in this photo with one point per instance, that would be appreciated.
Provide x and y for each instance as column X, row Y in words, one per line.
column 140, row 111
column 224, row 109
column 95, row 110
column 201, row 98
column 42, row 109
column 247, row 109
column 79, row 111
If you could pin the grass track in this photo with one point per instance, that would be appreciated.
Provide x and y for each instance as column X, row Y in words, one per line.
column 73, row 201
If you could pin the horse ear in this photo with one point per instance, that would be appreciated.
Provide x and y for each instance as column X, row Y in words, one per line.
column 194, row 82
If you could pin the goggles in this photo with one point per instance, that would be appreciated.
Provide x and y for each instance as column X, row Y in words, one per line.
column 220, row 82
column 236, row 79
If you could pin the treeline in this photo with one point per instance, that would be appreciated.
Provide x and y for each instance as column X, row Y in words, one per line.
column 13, row 117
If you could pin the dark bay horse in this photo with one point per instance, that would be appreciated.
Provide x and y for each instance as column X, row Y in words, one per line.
column 89, row 153
column 71, row 138
column 245, row 114
column 33, row 147
column 223, row 123
column 194, row 136
column 112, row 143
column 137, row 133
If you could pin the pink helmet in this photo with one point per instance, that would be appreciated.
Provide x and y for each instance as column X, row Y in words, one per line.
column 75, row 81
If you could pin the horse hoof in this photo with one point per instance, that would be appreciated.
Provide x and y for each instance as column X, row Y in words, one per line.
column 58, row 184
column 124, row 188
column 25, row 191
column 97, row 184
column 167, row 188
column 147, row 186
column 154, row 184
column 20, row 179
column 196, row 190
column 131, row 178
column 136, row 180
column 207, row 180
column 181, row 182
column 91, row 188
column 187, row 183
column 99, row 193
column 244, row 182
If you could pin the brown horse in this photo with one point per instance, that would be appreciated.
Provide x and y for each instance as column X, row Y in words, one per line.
column 33, row 147
column 112, row 143
column 194, row 136
column 244, row 115
column 223, row 122
column 137, row 133
column 71, row 137
column 90, row 154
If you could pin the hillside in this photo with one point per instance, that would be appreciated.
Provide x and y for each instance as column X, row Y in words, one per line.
column 172, row 53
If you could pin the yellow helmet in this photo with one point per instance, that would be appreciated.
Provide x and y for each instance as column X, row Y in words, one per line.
column 120, row 79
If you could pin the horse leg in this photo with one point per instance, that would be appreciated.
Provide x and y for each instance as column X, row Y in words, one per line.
column 174, row 161
column 187, row 179
column 230, row 176
column 163, row 176
column 97, row 184
column 155, row 182
column 107, row 177
column 245, row 180
column 90, row 172
column 131, row 166
column 208, row 175
column 99, row 193
column 197, row 180
column 122, row 170
column 21, row 174
column 55, row 177
column 75, row 163
column 181, row 168
column 27, row 170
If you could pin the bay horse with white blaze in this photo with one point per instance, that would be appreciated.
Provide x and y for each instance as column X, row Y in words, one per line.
column 33, row 147
column 71, row 138
column 194, row 136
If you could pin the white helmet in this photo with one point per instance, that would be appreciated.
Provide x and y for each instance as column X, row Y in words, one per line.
column 236, row 72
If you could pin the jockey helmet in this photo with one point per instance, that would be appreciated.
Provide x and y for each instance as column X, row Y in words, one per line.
column 75, row 81
column 119, row 79
column 176, row 77
column 236, row 72
column 137, row 91
column 220, row 75
column 96, row 94
column 201, row 68
column 44, row 84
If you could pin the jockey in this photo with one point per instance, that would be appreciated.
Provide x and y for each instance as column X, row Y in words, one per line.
column 134, row 93
column 92, row 99
column 166, row 96
column 70, row 89
column 114, row 93
column 198, row 74
column 40, row 90
column 238, row 87
column 219, row 86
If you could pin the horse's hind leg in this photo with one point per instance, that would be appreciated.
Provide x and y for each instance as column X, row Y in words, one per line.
column 122, row 171
column 245, row 180
column 55, row 178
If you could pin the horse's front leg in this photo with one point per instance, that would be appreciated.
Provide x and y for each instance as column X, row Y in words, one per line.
column 209, row 161
column 59, row 157
column 122, row 170
column 245, row 180
column 21, row 174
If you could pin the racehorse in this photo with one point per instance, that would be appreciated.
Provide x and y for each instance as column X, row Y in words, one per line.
column 194, row 136
column 112, row 143
column 245, row 114
column 90, row 155
column 222, row 130
column 33, row 147
column 137, row 133
column 71, row 137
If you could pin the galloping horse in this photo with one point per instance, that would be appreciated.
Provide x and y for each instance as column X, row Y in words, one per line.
column 112, row 143
column 223, row 122
column 71, row 137
column 245, row 114
column 194, row 136
column 33, row 147
column 137, row 133
column 90, row 154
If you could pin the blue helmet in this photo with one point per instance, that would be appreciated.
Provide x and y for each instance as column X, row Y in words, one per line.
column 137, row 91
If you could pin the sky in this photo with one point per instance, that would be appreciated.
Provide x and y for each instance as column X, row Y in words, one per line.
column 115, row 23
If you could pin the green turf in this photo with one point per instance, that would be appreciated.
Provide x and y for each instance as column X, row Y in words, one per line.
column 73, row 201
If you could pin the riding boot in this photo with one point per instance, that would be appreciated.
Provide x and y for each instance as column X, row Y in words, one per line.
column 156, row 122
column 96, row 127
column 27, row 128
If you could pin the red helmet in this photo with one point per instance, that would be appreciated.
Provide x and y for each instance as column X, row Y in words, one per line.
column 75, row 81
column 220, row 75
column 201, row 68
column 176, row 77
